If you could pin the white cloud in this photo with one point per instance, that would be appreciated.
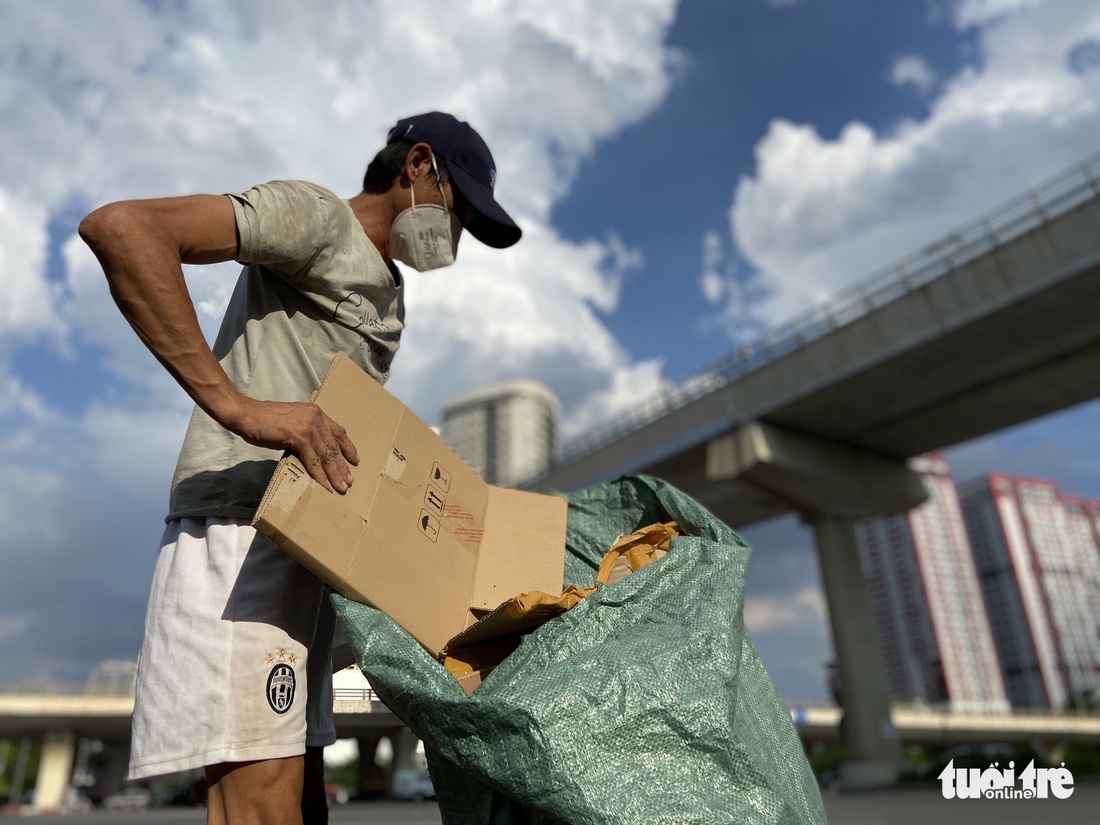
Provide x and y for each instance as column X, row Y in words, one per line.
column 820, row 214
column 27, row 309
column 793, row 611
column 712, row 281
column 114, row 99
column 15, row 626
column 28, row 500
column 172, row 102
column 725, row 285
column 913, row 70
column 534, row 315
column 19, row 402
column 976, row 12
column 135, row 449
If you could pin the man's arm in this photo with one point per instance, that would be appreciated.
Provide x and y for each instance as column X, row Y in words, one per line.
column 141, row 246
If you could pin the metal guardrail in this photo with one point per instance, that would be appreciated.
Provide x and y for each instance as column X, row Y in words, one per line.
column 367, row 694
column 57, row 689
column 60, row 689
column 1055, row 196
column 939, row 709
column 354, row 695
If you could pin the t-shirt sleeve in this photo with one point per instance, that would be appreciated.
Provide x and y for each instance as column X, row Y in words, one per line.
column 282, row 224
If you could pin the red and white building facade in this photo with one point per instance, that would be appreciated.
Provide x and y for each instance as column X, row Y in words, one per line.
column 1038, row 556
column 928, row 603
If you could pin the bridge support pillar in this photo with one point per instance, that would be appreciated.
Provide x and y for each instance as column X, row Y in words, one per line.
column 833, row 486
column 373, row 778
column 874, row 750
column 55, row 767
column 404, row 758
column 404, row 749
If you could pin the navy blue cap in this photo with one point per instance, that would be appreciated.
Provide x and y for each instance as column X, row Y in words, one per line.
column 472, row 170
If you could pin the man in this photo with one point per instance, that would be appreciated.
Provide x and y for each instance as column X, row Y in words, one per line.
column 235, row 669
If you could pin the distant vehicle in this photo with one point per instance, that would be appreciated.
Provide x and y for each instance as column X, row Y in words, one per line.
column 412, row 784
column 336, row 795
column 129, row 799
column 74, row 802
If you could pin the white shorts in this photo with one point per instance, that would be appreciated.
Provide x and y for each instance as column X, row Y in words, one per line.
column 237, row 659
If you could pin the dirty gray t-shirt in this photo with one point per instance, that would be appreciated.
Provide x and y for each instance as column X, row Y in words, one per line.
column 313, row 284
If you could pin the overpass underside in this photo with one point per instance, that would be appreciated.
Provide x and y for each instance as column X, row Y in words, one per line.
column 1036, row 352
column 1004, row 337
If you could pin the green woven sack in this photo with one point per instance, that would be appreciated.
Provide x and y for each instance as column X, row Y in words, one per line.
column 645, row 703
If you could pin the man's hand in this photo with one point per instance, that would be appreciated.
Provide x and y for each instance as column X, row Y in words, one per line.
column 304, row 429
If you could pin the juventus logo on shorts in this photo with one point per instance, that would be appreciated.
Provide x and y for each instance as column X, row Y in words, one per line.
column 280, row 688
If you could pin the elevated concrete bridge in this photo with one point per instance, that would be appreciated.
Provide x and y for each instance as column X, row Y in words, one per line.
column 65, row 708
column 939, row 726
column 359, row 712
column 993, row 325
column 61, row 717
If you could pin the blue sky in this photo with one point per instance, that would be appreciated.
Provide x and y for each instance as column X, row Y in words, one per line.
column 687, row 175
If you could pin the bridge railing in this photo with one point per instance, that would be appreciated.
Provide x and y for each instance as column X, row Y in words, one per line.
column 1025, row 212
column 354, row 695
column 367, row 694
column 63, row 689
column 945, row 708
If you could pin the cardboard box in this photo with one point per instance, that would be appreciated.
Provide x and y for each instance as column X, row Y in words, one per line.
column 419, row 535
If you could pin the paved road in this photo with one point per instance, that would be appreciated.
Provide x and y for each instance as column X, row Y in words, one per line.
column 911, row 806
column 926, row 806
column 366, row 813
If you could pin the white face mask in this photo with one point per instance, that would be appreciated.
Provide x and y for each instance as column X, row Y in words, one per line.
column 425, row 236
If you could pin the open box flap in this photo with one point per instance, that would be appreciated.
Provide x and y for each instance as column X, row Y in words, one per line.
column 523, row 547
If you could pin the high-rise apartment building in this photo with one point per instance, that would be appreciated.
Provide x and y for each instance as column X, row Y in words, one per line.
column 1091, row 509
column 1039, row 563
column 508, row 433
column 927, row 601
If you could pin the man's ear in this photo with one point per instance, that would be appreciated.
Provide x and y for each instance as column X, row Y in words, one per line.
column 418, row 161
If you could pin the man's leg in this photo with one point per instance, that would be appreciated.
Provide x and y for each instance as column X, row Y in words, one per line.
column 268, row 792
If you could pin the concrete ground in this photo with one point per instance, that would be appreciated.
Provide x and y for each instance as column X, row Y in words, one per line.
column 908, row 806
column 367, row 813
column 926, row 806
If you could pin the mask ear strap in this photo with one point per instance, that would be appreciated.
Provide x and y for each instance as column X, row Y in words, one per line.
column 439, row 183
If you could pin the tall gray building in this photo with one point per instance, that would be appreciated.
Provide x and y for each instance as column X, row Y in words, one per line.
column 508, row 432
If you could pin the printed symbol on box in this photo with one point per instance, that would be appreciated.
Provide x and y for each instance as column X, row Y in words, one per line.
column 434, row 499
column 441, row 477
column 428, row 524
